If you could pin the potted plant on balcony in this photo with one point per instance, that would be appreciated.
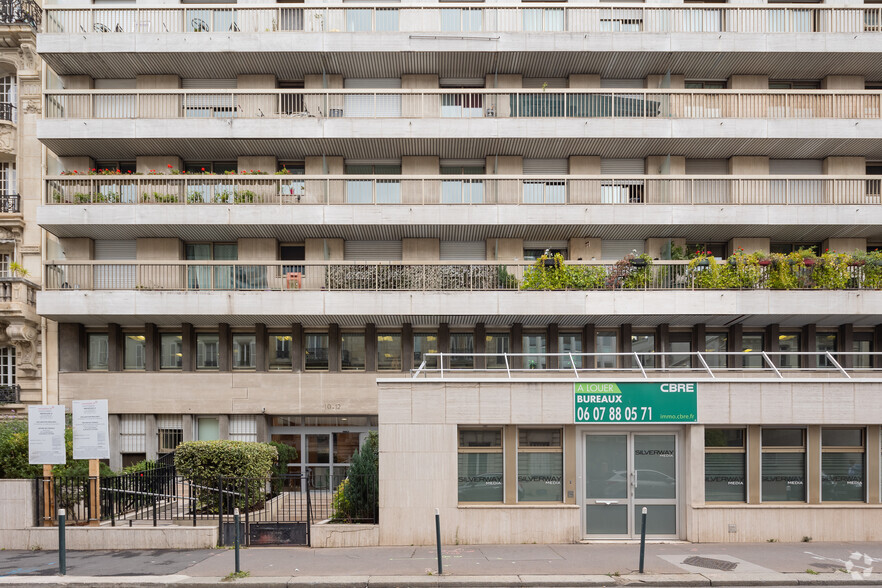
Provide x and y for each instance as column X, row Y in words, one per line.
column 18, row 270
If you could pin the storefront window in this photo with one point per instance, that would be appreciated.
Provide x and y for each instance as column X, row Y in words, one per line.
column 842, row 465
column 171, row 355
column 389, row 351
column 424, row 343
column 535, row 344
column 479, row 465
column 497, row 343
column 279, row 352
column 136, row 352
column 725, row 477
column 316, row 349
column 540, row 465
column 783, row 465
column 243, row 352
column 207, row 351
column 352, row 351
column 97, row 352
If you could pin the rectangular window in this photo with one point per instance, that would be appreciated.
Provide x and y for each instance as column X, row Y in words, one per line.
column 352, row 351
column 606, row 343
column 842, row 465
column 136, row 350
column 540, row 465
column 863, row 346
column 207, row 351
column 570, row 343
column 316, row 349
column 679, row 357
column 725, row 469
column 642, row 344
column 716, row 343
column 424, row 343
column 825, row 342
column 7, row 366
column 170, row 429
column 243, row 427
column 752, row 344
column 479, row 465
column 96, row 355
column 783, row 465
column 279, row 352
column 171, row 351
column 788, row 344
column 389, row 351
column 244, row 348
column 497, row 343
column 462, row 345
column 535, row 344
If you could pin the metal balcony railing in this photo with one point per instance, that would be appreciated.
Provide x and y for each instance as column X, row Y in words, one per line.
column 10, row 203
column 429, row 277
column 458, row 104
column 465, row 20
column 7, row 111
column 246, row 190
column 21, row 12
column 10, row 394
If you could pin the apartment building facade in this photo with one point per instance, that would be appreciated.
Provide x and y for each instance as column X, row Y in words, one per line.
column 266, row 221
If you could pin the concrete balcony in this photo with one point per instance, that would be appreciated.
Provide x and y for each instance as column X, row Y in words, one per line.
column 18, row 298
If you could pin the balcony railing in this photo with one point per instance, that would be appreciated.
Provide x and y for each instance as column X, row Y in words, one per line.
column 457, row 103
column 14, row 289
column 21, row 12
column 244, row 190
column 434, row 276
column 10, row 394
column 10, row 203
column 465, row 19
column 7, row 111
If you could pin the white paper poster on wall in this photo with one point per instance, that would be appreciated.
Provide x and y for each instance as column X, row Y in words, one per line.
column 90, row 436
column 46, row 435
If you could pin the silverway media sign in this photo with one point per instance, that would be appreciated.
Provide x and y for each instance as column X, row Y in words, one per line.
column 636, row 402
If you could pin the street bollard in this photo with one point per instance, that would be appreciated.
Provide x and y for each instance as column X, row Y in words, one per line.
column 62, row 548
column 642, row 538
column 438, row 538
column 236, row 541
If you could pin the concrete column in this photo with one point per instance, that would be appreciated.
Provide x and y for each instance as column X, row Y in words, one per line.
column 370, row 347
column 517, row 345
column 151, row 440
column 584, row 248
column 663, row 340
column 443, row 338
column 754, row 462
column 257, row 105
column 583, row 81
column 502, row 191
column 263, row 434
column 807, row 344
column 77, row 82
column 157, row 82
column 772, row 343
column 845, row 343
column 874, row 447
column 551, row 345
column 813, row 464
column 504, row 81
column 261, row 339
column 320, row 105
column 162, row 106
column 699, row 334
column 417, row 190
column 225, row 348
column 736, row 344
column 625, row 344
column 334, row 359
column 152, row 347
column 323, row 249
column 877, row 342
column 188, row 347
column 113, row 434
column 505, row 249
column 748, row 82
column 480, row 345
column 258, row 249
column 188, row 427
column 71, row 347
column 589, row 338
column 749, row 165
column 420, row 250
column 78, row 164
column 843, row 82
column 320, row 191
column 320, row 81
column 297, row 355
column 146, row 164
column 420, row 105
column 115, row 349
column 406, row 347
column 845, row 166
column 223, row 426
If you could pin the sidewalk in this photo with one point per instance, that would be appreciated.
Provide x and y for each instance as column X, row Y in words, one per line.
column 605, row 564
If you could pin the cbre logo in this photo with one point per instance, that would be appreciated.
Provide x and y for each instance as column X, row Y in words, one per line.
column 678, row 387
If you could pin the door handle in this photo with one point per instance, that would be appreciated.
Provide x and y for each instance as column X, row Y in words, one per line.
column 606, row 502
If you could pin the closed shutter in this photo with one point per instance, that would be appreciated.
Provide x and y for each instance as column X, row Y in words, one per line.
column 208, row 84
column 108, row 250
column 545, row 82
column 372, row 250
column 132, row 433
column 463, row 251
column 243, row 428
column 707, row 167
column 462, row 163
column 618, row 83
column 172, row 422
column 208, row 105
column 115, row 84
column 546, row 244
column 796, row 167
column 114, row 277
column 370, row 105
column 461, row 82
column 546, row 166
column 621, row 167
column 613, row 249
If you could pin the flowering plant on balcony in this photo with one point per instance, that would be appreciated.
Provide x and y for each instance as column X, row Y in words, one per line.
column 252, row 172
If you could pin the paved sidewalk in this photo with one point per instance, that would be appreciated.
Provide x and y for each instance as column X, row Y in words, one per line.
column 599, row 564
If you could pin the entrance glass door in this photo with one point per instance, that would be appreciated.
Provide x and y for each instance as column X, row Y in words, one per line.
column 625, row 472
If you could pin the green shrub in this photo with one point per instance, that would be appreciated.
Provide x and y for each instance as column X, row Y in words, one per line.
column 340, row 503
column 287, row 454
column 360, row 499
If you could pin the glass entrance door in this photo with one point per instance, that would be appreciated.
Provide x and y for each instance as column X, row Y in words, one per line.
column 625, row 472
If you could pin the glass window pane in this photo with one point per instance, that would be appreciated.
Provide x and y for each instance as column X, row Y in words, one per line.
column 480, row 477
column 655, row 471
column 724, row 477
column 752, row 343
column 345, row 446
column 279, row 352
column 724, row 437
column 716, row 343
column 352, row 351
column 462, row 343
column 425, row 343
column 316, row 350
column 842, row 476
column 825, row 342
column 318, row 448
column 539, row 438
column 783, row 477
column 136, row 350
column 171, row 352
column 679, row 356
column 480, row 438
column 207, row 351
column 606, row 343
column 198, row 251
column 97, row 351
column 389, row 351
column 641, row 344
column 842, row 437
column 535, row 344
column 570, row 344
column 864, row 361
column 540, row 477
column 788, row 343
column 606, row 466
column 244, row 351
column 497, row 343
column 783, row 437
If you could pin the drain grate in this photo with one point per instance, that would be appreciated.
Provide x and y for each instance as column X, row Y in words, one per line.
column 710, row 563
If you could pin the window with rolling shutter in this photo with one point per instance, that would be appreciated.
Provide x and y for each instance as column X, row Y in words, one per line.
column 114, row 277
column 372, row 251
column 717, row 167
column 209, row 105
column 796, row 191
column 545, row 191
column 614, row 249
column 619, row 191
column 370, row 105
column 463, row 251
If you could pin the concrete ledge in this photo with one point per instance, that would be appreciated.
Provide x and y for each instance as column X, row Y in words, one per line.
column 99, row 538
column 336, row 535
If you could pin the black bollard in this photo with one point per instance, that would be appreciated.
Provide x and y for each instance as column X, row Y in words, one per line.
column 642, row 538
column 438, row 538
column 62, row 548
column 236, row 522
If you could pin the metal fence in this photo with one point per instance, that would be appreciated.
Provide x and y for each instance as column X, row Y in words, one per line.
column 21, row 12
column 10, row 394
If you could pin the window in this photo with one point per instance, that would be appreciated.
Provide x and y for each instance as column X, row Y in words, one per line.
column 462, row 345
column 540, row 465
column 243, row 352
column 705, row 84
column 788, row 345
column 279, row 352
column 826, row 342
column 424, row 343
column 479, row 465
column 171, row 351
column 752, row 343
column 679, row 357
column 842, row 465
column 207, row 351
column 783, row 465
column 352, row 352
column 243, row 427
column 570, row 343
column 359, row 20
column 532, row 254
column 718, row 250
column 716, row 343
column 467, row 20
column 132, row 434
column 535, row 344
column 467, row 104
column 135, row 352
column 8, row 99
column 543, row 19
column 794, row 85
column 462, row 191
column 606, row 344
column 497, row 343
column 642, row 344
column 7, row 366
column 316, row 349
column 725, row 469
column 170, row 430
column 374, row 190
column 211, row 277
column 96, row 354
column 212, row 167
column 389, row 351
column 863, row 345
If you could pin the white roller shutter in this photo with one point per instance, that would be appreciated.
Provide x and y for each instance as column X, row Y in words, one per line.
column 619, row 83
column 546, row 166
column 372, row 250
column 613, row 249
column 208, row 105
column 208, row 84
column 243, row 428
column 461, row 82
column 545, row 82
column 707, row 167
column 796, row 167
column 172, row 422
column 463, row 251
column 112, row 276
column 372, row 83
column 132, row 433
column 108, row 250
column 622, row 167
column 462, row 163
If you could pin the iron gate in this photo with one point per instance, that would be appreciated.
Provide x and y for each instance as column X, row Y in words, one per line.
column 272, row 511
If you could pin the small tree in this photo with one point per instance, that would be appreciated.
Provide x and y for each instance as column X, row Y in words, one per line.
column 361, row 490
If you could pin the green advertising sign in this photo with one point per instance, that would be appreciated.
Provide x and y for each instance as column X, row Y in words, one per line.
column 635, row 402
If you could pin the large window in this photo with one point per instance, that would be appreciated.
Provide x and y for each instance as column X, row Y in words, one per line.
column 535, row 344
column 244, row 352
column 842, row 465
column 377, row 190
column 643, row 344
column 461, row 191
column 570, row 343
column 716, row 343
column 207, row 351
column 752, row 344
column 316, row 348
column 788, row 344
column 783, row 465
column 135, row 353
column 479, row 465
column 725, row 477
column 96, row 354
column 279, row 352
column 497, row 343
column 462, row 345
column 863, row 345
column 424, row 343
column 606, row 344
column 540, row 465
column 389, row 351
column 171, row 351
column 352, row 352
column 7, row 366
column 208, row 277
column 825, row 342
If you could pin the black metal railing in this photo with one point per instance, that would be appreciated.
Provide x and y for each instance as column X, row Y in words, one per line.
column 7, row 111
column 10, row 203
column 10, row 394
column 21, row 12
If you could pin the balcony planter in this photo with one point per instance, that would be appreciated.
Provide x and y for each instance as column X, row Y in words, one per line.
column 703, row 263
column 808, row 261
column 857, row 263
column 638, row 262
column 765, row 262
column 733, row 262
column 549, row 262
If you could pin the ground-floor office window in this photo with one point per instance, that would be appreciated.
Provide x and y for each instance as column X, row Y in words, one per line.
column 783, row 465
column 570, row 343
column 842, row 465
column 480, row 465
column 352, row 351
column 725, row 465
column 752, row 343
column 244, row 351
column 540, row 465
column 496, row 343
column 462, row 345
column 135, row 357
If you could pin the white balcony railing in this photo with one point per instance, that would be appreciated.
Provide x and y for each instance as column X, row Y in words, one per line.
column 463, row 19
column 245, row 190
column 458, row 103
